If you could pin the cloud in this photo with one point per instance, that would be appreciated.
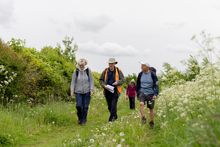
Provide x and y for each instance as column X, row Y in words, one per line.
column 92, row 24
column 6, row 12
column 180, row 48
column 173, row 25
column 107, row 49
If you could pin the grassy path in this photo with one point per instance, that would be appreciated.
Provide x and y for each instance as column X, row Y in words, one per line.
column 98, row 129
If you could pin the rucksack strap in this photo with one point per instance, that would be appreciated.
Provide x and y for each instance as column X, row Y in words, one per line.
column 87, row 72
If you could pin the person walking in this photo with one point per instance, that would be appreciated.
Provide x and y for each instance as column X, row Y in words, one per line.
column 81, row 86
column 111, row 80
column 147, row 90
column 131, row 93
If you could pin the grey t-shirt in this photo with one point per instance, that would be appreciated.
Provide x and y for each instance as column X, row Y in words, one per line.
column 147, row 84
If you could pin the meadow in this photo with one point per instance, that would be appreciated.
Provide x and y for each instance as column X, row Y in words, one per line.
column 186, row 115
column 36, row 109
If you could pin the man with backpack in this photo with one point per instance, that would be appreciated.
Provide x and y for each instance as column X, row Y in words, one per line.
column 82, row 84
column 147, row 90
column 111, row 80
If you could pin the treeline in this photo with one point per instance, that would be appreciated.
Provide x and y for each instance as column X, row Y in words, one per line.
column 36, row 76
column 41, row 76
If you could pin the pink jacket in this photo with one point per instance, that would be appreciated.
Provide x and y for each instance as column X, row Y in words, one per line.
column 131, row 91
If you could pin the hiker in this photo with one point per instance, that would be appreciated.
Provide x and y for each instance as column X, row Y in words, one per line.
column 131, row 93
column 147, row 90
column 111, row 80
column 82, row 85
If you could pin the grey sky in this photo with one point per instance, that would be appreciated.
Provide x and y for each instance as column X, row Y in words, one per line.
column 156, row 31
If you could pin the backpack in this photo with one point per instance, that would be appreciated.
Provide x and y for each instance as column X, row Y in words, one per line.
column 152, row 69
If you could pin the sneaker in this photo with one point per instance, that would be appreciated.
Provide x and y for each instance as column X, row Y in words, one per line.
column 144, row 120
column 151, row 124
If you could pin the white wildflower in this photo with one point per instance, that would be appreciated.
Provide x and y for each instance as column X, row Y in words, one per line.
column 122, row 134
column 92, row 140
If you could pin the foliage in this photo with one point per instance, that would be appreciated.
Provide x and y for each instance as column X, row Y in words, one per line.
column 170, row 76
column 70, row 48
column 16, row 44
column 6, row 79
column 192, row 68
column 130, row 77
column 42, row 76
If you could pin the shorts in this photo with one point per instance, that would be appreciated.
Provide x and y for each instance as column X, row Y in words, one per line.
column 147, row 98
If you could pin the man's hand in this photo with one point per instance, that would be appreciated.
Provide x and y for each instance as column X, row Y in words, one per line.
column 115, row 83
column 154, row 97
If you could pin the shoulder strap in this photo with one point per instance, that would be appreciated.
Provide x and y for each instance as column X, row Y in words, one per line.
column 106, row 74
column 77, row 73
column 87, row 72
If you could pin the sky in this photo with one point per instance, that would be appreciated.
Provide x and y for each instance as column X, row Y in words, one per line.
column 153, row 31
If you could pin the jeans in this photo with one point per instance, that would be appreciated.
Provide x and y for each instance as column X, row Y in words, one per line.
column 82, row 106
column 112, row 100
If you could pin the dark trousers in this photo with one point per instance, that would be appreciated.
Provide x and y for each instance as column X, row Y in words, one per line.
column 132, row 102
column 82, row 106
column 112, row 100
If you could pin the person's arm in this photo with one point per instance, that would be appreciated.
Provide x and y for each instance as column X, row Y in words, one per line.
column 102, row 79
column 72, row 87
column 91, row 80
column 138, row 85
column 121, row 78
column 156, row 87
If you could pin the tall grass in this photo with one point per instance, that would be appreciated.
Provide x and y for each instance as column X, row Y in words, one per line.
column 186, row 115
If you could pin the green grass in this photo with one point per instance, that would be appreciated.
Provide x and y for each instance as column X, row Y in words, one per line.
column 55, row 124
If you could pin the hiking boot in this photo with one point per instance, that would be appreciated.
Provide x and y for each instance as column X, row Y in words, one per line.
column 144, row 120
column 83, row 123
column 151, row 124
column 79, row 122
column 113, row 118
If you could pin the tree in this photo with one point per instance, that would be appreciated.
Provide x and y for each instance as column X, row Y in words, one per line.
column 17, row 44
column 170, row 76
column 70, row 48
column 192, row 68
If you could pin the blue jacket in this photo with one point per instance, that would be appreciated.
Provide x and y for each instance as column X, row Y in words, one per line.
column 155, row 83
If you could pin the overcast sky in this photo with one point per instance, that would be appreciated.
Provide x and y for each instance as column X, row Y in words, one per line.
column 155, row 31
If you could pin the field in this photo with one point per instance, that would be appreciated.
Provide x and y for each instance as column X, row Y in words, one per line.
column 187, row 114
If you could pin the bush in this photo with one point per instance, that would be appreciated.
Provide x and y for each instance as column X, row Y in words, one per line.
column 42, row 76
column 13, row 64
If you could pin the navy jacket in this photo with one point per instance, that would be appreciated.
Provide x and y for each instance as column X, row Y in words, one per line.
column 155, row 83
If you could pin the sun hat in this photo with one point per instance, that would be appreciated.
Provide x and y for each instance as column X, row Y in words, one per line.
column 112, row 60
column 144, row 63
